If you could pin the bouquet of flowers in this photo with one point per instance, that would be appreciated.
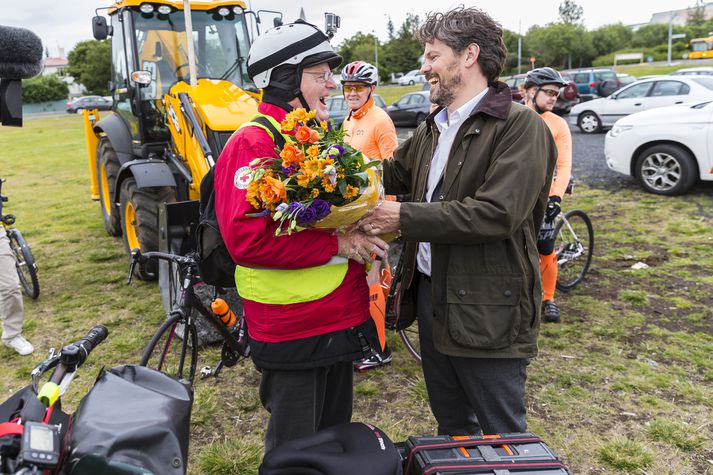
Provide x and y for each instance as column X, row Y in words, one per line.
column 317, row 181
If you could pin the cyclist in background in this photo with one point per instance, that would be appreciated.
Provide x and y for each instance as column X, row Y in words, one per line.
column 370, row 130
column 542, row 86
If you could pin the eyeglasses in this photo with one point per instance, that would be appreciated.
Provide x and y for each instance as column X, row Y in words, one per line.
column 551, row 92
column 355, row 88
column 325, row 76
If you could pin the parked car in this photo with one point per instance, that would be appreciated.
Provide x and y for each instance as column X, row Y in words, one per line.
column 337, row 107
column 89, row 102
column 411, row 109
column 701, row 71
column 594, row 82
column 625, row 79
column 411, row 78
column 644, row 94
column 565, row 101
column 666, row 149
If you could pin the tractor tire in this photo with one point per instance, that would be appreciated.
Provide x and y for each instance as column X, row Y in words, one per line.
column 139, row 221
column 107, row 170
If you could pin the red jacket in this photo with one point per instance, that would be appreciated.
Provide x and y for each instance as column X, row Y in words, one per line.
column 251, row 242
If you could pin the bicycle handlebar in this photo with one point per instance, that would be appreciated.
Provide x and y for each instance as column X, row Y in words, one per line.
column 141, row 257
column 71, row 357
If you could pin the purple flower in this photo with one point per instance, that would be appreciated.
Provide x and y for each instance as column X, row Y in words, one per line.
column 306, row 216
column 289, row 171
column 294, row 206
column 321, row 208
column 335, row 151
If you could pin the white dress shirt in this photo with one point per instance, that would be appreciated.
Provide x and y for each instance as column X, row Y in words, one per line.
column 448, row 126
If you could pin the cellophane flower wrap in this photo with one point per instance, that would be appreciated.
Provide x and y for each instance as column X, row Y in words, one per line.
column 318, row 180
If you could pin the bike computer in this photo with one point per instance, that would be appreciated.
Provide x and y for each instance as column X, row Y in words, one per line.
column 40, row 444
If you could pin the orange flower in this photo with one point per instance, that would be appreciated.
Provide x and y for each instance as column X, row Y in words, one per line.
column 291, row 155
column 272, row 192
column 323, row 125
column 304, row 179
column 327, row 185
column 299, row 115
column 313, row 151
column 314, row 137
column 253, row 192
column 288, row 125
column 351, row 192
column 305, row 135
column 315, row 192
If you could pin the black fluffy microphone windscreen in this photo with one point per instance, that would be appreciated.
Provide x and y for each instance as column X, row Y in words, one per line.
column 20, row 53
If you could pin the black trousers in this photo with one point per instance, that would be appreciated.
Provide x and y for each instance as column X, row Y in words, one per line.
column 302, row 402
column 469, row 396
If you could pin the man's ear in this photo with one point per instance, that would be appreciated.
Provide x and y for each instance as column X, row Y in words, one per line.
column 472, row 51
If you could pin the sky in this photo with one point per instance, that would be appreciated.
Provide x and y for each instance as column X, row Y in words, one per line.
column 62, row 24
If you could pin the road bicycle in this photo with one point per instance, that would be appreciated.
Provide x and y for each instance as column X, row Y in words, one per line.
column 574, row 246
column 176, row 358
column 24, row 260
column 34, row 438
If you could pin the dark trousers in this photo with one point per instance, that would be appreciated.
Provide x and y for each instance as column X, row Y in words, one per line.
column 302, row 402
column 469, row 396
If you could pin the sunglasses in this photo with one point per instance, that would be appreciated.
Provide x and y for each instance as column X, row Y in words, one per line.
column 355, row 88
column 325, row 76
column 551, row 92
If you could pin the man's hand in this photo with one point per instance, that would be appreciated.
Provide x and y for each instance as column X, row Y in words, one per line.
column 553, row 208
column 360, row 247
column 384, row 218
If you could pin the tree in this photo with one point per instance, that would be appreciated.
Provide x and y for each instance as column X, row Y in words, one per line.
column 650, row 35
column 403, row 52
column 609, row 38
column 570, row 12
column 560, row 45
column 44, row 89
column 90, row 65
column 697, row 14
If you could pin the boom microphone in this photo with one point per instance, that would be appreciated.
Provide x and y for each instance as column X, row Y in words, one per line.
column 20, row 58
column 20, row 53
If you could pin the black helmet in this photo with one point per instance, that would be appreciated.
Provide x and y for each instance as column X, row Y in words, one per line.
column 541, row 76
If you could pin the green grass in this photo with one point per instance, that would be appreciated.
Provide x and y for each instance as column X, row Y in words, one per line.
column 623, row 384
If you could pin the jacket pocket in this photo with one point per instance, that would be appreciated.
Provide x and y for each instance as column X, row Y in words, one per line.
column 484, row 310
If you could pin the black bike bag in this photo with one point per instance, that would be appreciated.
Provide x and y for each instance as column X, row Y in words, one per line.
column 132, row 417
column 347, row 449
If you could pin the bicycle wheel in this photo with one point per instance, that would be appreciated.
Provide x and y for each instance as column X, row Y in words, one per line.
column 24, row 263
column 168, row 353
column 574, row 246
column 409, row 336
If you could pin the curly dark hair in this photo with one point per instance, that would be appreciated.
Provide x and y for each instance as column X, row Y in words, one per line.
column 462, row 26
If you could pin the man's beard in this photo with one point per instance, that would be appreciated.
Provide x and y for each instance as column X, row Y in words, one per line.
column 446, row 90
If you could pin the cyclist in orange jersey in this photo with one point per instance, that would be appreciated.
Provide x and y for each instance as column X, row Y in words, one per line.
column 370, row 130
column 542, row 86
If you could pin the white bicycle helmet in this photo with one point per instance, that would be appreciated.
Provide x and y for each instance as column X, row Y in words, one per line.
column 360, row 71
column 299, row 43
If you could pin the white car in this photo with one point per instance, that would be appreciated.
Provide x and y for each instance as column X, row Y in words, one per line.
column 703, row 70
column 661, row 91
column 666, row 149
column 411, row 78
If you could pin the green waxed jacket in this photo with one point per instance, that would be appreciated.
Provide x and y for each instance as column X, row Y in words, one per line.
column 482, row 227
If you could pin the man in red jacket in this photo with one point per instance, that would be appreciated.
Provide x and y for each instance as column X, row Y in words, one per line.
column 305, row 295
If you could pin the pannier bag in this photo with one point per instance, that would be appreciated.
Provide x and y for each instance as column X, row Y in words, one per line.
column 134, row 420
column 502, row 454
column 346, row 449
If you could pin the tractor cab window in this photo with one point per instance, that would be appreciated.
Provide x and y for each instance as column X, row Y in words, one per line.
column 220, row 43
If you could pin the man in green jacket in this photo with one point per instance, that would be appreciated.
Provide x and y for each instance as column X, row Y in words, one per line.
column 479, row 170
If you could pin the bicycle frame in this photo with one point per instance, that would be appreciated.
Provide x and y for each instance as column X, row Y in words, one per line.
column 567, row 254
column 234, row 346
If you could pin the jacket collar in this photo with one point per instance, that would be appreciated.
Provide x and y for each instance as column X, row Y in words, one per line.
column 496, row 103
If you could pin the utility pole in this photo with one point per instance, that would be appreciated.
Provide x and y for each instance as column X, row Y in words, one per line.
column 376, row 51
column 670, row 27
column 519, row 46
